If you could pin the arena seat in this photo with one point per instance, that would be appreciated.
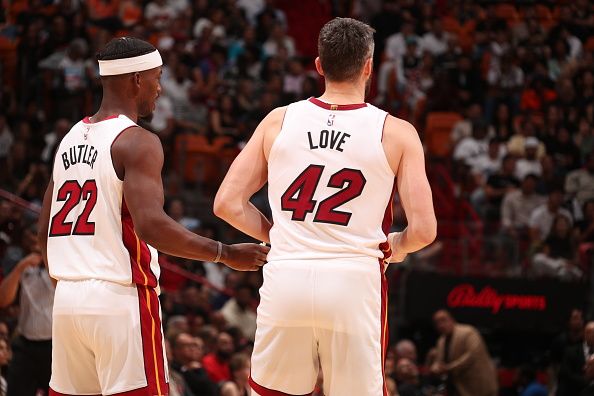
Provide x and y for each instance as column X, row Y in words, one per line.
column 438, row 128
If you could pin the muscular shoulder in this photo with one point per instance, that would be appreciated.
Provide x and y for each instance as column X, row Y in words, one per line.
column 271, row 126
column 399, row 137
column 135, row 145
column 136, row 140
column 398, row 129
column 275, row 117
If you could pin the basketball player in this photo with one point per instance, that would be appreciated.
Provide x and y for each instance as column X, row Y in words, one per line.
column 332, row 164
column 101, row 226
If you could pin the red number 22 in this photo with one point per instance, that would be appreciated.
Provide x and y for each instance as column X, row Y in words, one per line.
column 72, row 193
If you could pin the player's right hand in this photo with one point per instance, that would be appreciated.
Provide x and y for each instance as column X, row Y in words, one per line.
column 245, row 256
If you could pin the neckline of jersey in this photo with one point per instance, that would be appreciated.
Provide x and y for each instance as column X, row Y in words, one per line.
column 87, row 120
column 330, row 106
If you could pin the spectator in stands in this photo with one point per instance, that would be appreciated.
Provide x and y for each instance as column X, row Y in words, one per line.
column 176, row 325
column 160, row 14
column 5, row 356
column 31, row 365
column 435, row 41
column 502, row 124
column 240, row 374
column 586, row 225
column 572, row 378
column 517, row 143
column 6, row 137
column 177, row 384
column 489, row 163
column 517, row 205
column 557, row 257
column 238, row 311
column 407, row 378
column 396, row 44
column 506, row 81
column 584, row 138
column 589, row 375
column 467, row 80
column 406, row 349
column 177, row 212
column 187, row 357
column 163, row 122
column 53, row 139
column 463, row 356
column 528, row 385
column 72, row 89
column 216, row 363
column 565, row 153
column 223, row 118
column 529, row 164
column 487, row 199
column 541, row 218
column 463, row 128
column 573, row 335
column 579, row 184
column 278, row 41
column 470, row 148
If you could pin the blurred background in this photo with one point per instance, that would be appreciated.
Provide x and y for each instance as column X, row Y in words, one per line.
column 501, row 93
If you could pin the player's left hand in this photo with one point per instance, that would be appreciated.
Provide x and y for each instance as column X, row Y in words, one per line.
column 397, row 255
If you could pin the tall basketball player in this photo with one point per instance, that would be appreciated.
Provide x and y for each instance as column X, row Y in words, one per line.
column 332, row 164
column 102, row 223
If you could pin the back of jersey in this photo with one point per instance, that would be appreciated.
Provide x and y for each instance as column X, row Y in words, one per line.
column 330, row 184
column 91, row 234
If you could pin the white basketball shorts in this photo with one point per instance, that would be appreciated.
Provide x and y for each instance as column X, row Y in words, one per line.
column 107, row 340
column 328, row 315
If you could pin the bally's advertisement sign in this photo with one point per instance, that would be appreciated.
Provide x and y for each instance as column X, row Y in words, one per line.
column 519, row 304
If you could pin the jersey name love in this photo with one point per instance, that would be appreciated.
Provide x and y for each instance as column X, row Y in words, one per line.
column 81, row 154
column 328, row 139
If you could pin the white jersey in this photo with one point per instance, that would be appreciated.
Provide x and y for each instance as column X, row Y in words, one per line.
column 91, row 234
column 330, row 185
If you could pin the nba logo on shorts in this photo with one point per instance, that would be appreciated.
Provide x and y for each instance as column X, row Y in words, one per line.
column 330, row 120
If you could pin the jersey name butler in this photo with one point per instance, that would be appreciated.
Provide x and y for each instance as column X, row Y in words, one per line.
column 79, row 154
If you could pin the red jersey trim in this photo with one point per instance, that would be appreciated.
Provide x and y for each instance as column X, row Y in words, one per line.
column 87, row 120
column 329, row 106
column 262, row 391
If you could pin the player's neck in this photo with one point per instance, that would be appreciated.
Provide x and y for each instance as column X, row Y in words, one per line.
column 343, row 93
column 115, row 104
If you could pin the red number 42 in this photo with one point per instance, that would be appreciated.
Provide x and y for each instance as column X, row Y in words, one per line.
column 72, row 192
column 298, row 198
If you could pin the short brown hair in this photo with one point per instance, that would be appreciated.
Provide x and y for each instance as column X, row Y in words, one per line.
column 344, row 44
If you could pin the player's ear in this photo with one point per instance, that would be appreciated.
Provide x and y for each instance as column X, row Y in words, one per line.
column 368, row 67
column 319, row 66
column 136, row 79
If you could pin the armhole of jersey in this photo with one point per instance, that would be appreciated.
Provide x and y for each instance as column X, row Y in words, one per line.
column 271, row 153
column 384, row 158
column 111, row 148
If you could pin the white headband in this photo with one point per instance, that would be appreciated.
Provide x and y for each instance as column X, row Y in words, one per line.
column 130, row 65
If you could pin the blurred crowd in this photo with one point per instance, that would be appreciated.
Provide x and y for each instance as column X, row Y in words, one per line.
column 518, row 78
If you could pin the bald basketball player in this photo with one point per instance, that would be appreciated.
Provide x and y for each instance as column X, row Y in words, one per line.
column 332, row 164
column 101, row 226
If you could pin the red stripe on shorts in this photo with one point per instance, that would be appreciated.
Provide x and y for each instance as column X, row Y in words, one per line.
column 152, row 342
column 387, row 250
column 262, row 391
